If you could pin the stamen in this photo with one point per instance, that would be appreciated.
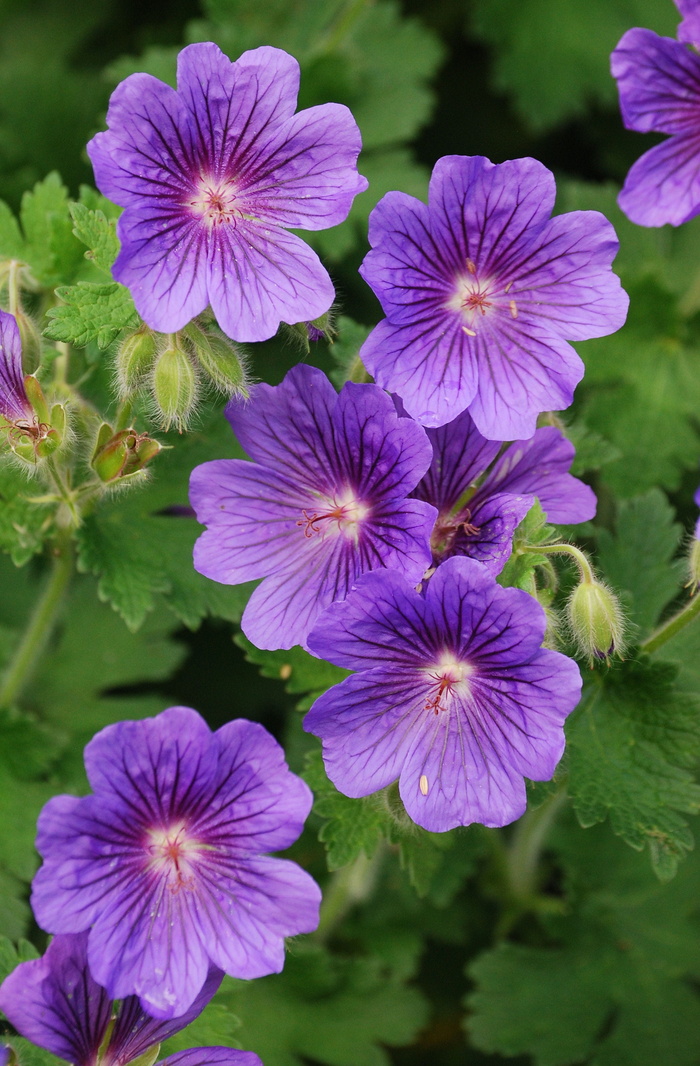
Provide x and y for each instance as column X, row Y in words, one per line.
column 468, row 331
column 471, row 266
column 423, row 784
column 508, row 287
column 513, row 308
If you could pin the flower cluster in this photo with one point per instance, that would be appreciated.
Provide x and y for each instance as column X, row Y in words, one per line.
column 659, row 84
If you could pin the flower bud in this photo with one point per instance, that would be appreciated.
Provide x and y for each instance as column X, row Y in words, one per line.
column 596, row 620
column 318, row 330
column 174, row 387
column 31, row 342
column 134, row 360
column 219, row 360
column 120, row 455
column 39, row 437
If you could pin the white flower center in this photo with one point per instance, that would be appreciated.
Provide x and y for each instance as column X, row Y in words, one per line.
column 171, row 852
column 476, row 297
column 447, row 678
column 214, row 202
column 342, row 514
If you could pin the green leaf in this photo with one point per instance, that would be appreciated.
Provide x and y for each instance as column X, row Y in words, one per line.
column 631, row 744
column 330, row 1010
column 554, row 63
column 345, row 351
column 50, row 247
column 303, row 674
column 351, row 826
column 11, row 956
column 98, row 233
column 637, row 559
column 610, row 988
column 141, row 552
column 91, row 312
column 24, row 525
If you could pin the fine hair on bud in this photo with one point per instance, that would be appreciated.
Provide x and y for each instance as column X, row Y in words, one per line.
column 175, row 386
column 694, row 563
column 221, row 362
column 596, row 621
column 134, row 361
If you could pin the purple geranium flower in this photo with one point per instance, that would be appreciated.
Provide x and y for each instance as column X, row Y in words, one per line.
column 659, row 83
column 478, row 518
column 14, row 402
column 211, row 177
column 56, row 1003
column 453, row 695
column 163, row 863
column 482, row 289
column 324, row 501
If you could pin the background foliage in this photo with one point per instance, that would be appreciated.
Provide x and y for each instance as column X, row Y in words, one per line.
column 566, row 939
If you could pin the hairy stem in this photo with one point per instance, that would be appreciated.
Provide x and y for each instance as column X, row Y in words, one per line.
column 576, row 554
column 40, row 624
column 672, row 626
column 526, row 847
column 350, row 885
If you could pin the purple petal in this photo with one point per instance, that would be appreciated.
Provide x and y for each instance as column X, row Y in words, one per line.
column 659, row 83
column 14, row 404
column 431, row 365
column 246, row 917
column 135, row 1031
column 486, row 211
column 235, row 107
column 496, row 520
column 143, row 159
column 258, row 276
column 460, row 456
column 523, row 374
column 408, row 269
column 564, row 283
column 689, row 29
column 55, row 1003
column 212, row 1056
column 309, row 176
column 540, row 466
column 696, row 497
column 287, row 427
column 163, row 264
column 663, row 186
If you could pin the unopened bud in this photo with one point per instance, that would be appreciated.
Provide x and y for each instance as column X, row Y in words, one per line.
column 596, row 620
column 219, row 360
column 120, row 455
column 31, row 342
column 35, row 395
column 134, row 360
column 174, row 387
column 318, row 330
column 39, row 437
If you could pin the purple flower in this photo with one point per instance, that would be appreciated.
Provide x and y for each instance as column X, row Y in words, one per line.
column 453, row 695
column 14, row 402
column 659, row 83
column 163, row 863
column 211, row 177
column 482, row 290
column 324, row 501
column 479, row 519
column 56, row 1003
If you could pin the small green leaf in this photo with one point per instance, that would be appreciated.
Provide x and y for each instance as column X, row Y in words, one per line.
column 91, row 312
column 51, row 249
column 98, row 233
column 302, row 673
column 351, row 826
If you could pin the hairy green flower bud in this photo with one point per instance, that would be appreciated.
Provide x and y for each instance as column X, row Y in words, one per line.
column 596, row 620
column 218, row 359
column 175, row 388
column 306, row 332
column 37, row 438
column 134, row 360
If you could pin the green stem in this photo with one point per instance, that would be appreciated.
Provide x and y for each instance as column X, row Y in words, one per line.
column 13, row 287
column 527, row 844
column 576, row 554
column 64, row 492
column 40, row 624
column 350, row 885
column 672, row 626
